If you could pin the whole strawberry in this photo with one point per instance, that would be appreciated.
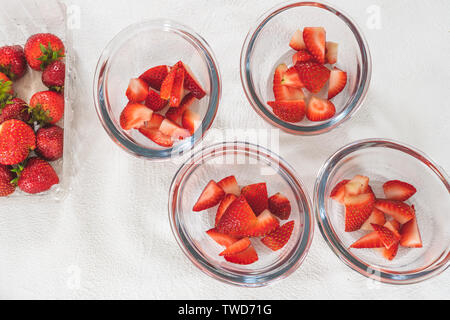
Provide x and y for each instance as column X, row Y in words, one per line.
column 15, row 109
column 47, row 107
column 16, row 140
column 42, row 49
column 54, row 76
column 6, row 177
column 13, row 62
column 37, row 176
column 50, row 143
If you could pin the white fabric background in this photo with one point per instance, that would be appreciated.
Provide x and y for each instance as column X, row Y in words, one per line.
column 111, row 238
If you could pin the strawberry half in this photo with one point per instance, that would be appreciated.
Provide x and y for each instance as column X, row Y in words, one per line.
column 230, row 185
column 357, row 210
column 210, row 197
column 371, row 240
column 175, row 114
column 265, row 224
column 301, row 56
column 376, row 217
column 177, row 88
column 297, row 42
column 313, row 75
column 224, row 204
column 155, row 76
column 289, row 110
column 137, row 90
column 338, row 81
column 256, row 196
column 282, row 92
column 358, row 185
column 238, row 219
column 394, row 226
column 338, row 192
column 154, row 101
column 320, row 109
column 191, row 121
column 331, row 52
column 134, row 116
column 291, row 78
column 398, row 210
column 387, row 237
column 398, row 190
column 237, row 247
column 167, row 84
column 221, row 238
column 245, row 257
column 278, row 238
column 171, row 129
column 157, row 136
column 410, row 235
column 191, row 83
column 314, row 38
column 280, row 206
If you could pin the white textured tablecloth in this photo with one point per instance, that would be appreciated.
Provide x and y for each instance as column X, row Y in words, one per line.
column 111, row 238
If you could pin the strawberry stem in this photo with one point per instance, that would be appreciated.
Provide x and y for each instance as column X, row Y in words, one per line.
column 49, row 55
column 39, row 115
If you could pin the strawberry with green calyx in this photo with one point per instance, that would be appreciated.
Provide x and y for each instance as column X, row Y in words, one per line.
column 42, row 49
column 14, row 109
column 13, row 62
column 6, row 90
column 46, row 107
column 36, row 176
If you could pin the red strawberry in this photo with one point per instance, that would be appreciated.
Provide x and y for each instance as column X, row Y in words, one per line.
column 265, row 224
column 47, row 107
column 224, row 204
column 155, row 121
column 314, row 38
column 410, row 235
column 331, row 52
column 390, row 253
column 313, row 75
column 16, row 140
column 398, row 210
column 155, row 76
column 6, row 89
column 338, row 81
column 301, row 56
column 237, row 247
column 154, row 101
column 278, row 238
column 387, row 237
column 37, row 176
column 210, row 197
column 289, row 110
column 320, row 109
column 221, row 238
column 177, row 88
column 191, row 121
column 297, row 42
column 280, row 206
column 157, row 136
column 42, row 49
column 291, row 79
column 282, row 92
column 371, row 240
column 6, row 176
column 134, row 116
column 137, row 90
column 358, row 185
column 238, row 219
column 173, row 130
column 175, row 114
column 376, row 217
column 13, row 62
column 230, row 185
column 50, row 142
column 245, row 257
column 54, row 76
column 338, row 192
column 167, row 84
column 357, row 210
column 15, row 109
column 398, row 190
column 256, row 196
column 394, row 226
column 191, row 83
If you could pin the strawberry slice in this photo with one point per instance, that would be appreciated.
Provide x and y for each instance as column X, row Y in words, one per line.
column 357, row 210
column 265, row 224
column 191, row 83
column 280, row 206
column 314, row 38
column 155, row 121
column 137, row 90
column 238, row 219
column 282, row 92
column 177, row 88
column 289, row 110
column 297, row 42
column 291, row 78
column 245, row 257
column 376, row 217
column 155, row 76
column 175, row 114
column 257, row 197
column 210, row 197
column 173, row 130
column 237, row 247
column 167, row 84
column 338, row 81
column 157, row 136
column 358, row 185
column 320, row 109
column 302, row 56
column 313, row 75
column 154, row 101
column 386, row 236
column 191, row 121
column 398, row 210
column 338, row 192
column 134, row 116
column 278, row 238
column 391, row 253
column 224, row 204
column 371, row 240
column 394, row 226
column 331, row 52
column 410, row 235
column 221, row 238
column 398, row 190
column 230, row 185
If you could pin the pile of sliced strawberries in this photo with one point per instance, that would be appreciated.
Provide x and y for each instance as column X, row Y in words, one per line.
column 311, row 71
column 159, row 104
column 391, row 221
column 244, row 214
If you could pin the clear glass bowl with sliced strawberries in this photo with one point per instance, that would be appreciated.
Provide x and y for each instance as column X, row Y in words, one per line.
column 157, row 89
column 241, row 214
column 383, row 209
column 305, row 67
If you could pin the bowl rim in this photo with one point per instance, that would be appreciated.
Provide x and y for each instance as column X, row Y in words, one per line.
column 102, row 106
column 296, row 258
column 333, row 242
column 260, row 108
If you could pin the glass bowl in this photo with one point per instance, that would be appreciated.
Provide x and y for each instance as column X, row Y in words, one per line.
column 133, row 51
column 383, row 160
column 249, row 164
column 267, row 45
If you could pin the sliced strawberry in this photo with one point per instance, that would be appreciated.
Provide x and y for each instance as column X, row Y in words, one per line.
column 297, row 42
column 313, row 75
column 224, row 204
column 338, row 192
column 376, row 217
column 398, row 190
column 320, row 109
column 154, row 101
column 331, row 52
column 230, row 185
column 338, row 81
column 157, row 136
column 155, row 121
column 155, row 76
column 387, row 236
column 134, row 116
column 394, row 226
column 191, row 83
column 237, row 247
column 238, row 219
column 173, row 130
column 357, row 210
column 175, row 114
column 137, row 90
column 289, row 110
column 210, row 197
column 301, row 56
column 191, row 121
column 167, row 84
column 265, row 224
column 282, row 92
column 358, row 185
column 280, row 206
column 256, row 196
column 291, row 78
column 245, row 257
column 221, row 238
column 371, row 240
column 391, row 253
column 314, row 38
column 177, row 88
column 410, row 235
column 278, row 238
column 398, row 210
